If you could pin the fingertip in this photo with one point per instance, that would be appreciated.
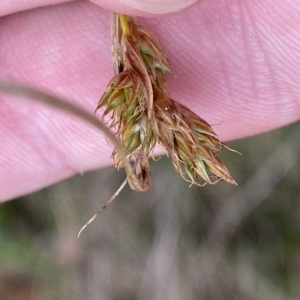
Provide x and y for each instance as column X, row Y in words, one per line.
column 145, row 7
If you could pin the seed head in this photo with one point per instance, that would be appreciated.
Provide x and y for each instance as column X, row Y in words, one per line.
column 143, row 114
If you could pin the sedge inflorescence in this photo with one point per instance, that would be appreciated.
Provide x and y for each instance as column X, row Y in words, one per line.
column 143, row 114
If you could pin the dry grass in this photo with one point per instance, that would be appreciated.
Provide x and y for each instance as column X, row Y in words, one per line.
column 143, row 114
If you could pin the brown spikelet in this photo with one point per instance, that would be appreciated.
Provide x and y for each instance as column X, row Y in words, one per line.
column 189, row 141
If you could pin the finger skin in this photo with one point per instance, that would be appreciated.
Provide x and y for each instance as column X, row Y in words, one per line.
column 11, row 6
column 235, row 64
column 146, row 7
column 132, row 7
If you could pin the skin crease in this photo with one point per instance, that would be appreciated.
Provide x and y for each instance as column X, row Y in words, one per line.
column 236, row 64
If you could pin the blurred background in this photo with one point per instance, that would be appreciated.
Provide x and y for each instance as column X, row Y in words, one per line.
column 173, row 242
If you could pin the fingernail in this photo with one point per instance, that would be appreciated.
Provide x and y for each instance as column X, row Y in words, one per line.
column 159, row 6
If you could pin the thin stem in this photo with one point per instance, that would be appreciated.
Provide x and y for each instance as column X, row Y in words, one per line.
column 113, row 197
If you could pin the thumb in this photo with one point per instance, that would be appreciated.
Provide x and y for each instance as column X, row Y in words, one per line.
column 145, row 7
